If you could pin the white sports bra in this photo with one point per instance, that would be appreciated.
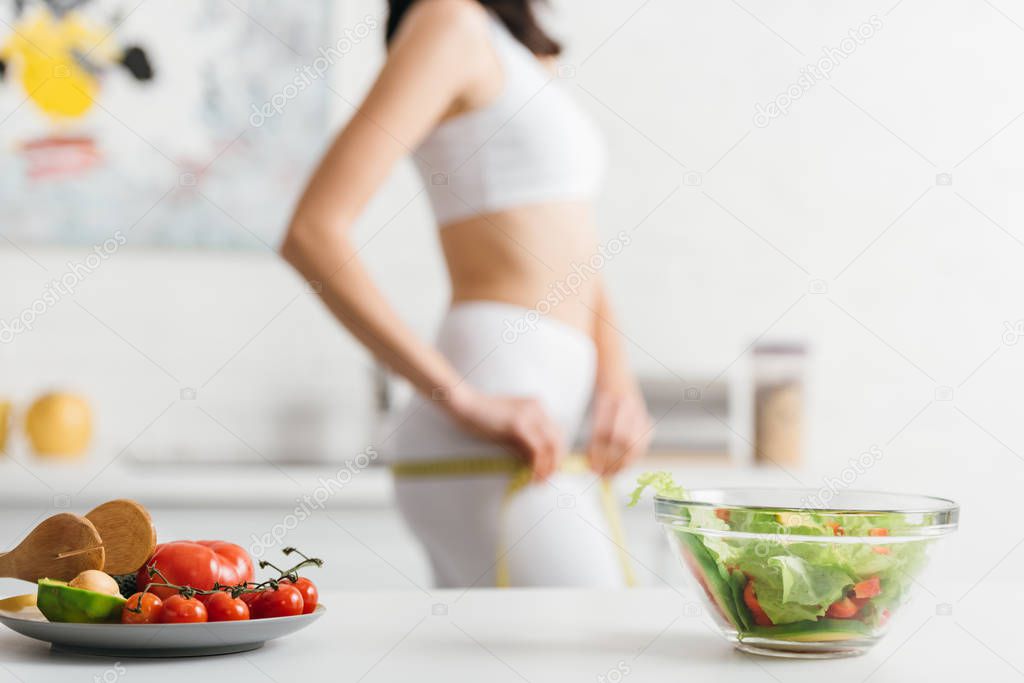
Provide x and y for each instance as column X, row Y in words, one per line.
column 530, row 145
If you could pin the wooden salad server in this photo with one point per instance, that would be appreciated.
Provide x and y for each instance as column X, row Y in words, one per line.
column 60, row 547
column 128, row 534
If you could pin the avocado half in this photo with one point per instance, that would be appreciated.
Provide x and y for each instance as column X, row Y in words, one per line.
column 60, row 602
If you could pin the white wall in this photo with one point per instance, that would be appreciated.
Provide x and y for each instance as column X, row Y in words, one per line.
column 671, row 82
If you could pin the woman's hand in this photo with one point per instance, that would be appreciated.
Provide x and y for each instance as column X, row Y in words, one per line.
column 620, row 431
column 521, row 423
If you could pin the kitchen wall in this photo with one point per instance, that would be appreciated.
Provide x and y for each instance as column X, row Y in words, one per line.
column 879, row 217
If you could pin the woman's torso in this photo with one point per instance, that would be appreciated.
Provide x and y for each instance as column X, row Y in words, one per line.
column 526, row 257
column 511, row 175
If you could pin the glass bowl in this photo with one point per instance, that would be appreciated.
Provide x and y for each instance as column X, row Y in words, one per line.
column 784, row 575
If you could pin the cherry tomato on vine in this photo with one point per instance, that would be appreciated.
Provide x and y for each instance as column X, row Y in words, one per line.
column 286, row 601
column 181, row 610
column 310, row 595
column 222, row 607
column 149, row 608
column 248, row 598
column 205, row 597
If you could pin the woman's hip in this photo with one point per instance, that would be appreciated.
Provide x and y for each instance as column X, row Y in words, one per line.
column 504, row 350
column 483, row 527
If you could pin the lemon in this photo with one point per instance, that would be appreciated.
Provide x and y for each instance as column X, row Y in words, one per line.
column 59, row 424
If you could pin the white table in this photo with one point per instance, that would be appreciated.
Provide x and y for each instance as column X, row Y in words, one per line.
column 564, row 635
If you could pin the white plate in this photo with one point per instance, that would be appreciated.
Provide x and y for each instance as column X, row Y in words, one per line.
column 149, row 640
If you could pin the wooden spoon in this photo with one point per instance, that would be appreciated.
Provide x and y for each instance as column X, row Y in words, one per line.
column 60, row 547
column 127, row 532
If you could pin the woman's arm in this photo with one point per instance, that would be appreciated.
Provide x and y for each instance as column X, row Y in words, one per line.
column 438, row 54
column 620, row 426
column 424, row 75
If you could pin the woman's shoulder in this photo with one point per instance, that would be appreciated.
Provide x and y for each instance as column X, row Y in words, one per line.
column 450, row 19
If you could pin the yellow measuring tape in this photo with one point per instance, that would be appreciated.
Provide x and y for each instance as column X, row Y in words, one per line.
column 520, row 477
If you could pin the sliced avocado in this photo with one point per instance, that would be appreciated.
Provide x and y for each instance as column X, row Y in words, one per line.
column 822, row 630
column 716, row 581
column 60, row 602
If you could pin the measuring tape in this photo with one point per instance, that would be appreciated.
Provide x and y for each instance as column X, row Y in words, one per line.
column 520, row 476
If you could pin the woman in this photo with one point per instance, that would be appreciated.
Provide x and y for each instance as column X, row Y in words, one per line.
column 510, row 166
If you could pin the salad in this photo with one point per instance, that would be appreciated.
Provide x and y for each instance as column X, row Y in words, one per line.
column 792, row 574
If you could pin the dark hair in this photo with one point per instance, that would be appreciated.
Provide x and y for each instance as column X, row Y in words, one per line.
column 517, row 15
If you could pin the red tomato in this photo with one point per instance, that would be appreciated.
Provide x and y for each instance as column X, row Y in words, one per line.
column 868, row 588
column 750, row 598
column 842, row 609
column 182, row 563
column 198, row 565
column 235, row 563
column 205, row 597
column 248, row 598
column 286, row 601
column 310, row 595
column 150, row 605
column 880, row 549
column 222, row 607
column 181, row 610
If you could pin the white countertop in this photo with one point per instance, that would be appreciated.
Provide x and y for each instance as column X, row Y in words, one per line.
column 48, row 484
column 34, row 483
column 565, row 635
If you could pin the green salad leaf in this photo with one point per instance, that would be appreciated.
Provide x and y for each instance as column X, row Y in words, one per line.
column 809, row 584
column 661, row 482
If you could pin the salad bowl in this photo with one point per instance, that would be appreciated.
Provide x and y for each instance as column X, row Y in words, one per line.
column 783, row 578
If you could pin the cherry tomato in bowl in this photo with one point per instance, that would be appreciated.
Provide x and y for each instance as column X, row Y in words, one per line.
column 285, row 601
column 310, row 595
column 142, row 608
column 222, row 607
column 181, row 610
column 248, row 598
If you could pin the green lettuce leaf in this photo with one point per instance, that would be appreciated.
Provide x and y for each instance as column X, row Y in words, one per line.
column 810, row 584
column 662, row 484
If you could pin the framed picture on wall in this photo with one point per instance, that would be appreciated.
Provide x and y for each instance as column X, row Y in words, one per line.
column 182, row 123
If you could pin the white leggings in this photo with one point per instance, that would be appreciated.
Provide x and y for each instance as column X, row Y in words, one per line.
column 556, row 533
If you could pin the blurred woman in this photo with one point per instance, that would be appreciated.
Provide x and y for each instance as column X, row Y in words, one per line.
column 511, row 167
